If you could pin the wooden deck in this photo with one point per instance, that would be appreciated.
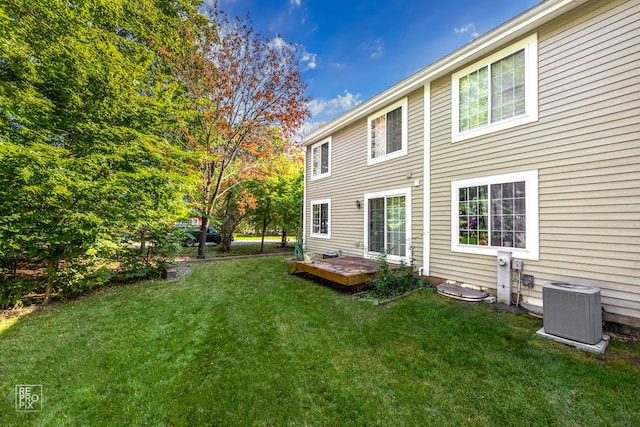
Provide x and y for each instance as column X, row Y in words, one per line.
column 346, row 271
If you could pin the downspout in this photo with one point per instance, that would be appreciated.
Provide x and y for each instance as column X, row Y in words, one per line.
column 304, row 198
column 426, row 183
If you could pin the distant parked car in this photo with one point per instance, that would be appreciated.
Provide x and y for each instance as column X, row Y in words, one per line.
column 192, row 236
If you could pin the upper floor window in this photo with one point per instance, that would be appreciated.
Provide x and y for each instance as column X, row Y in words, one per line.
column 387, row 132
column 496, row 213
column 498, row 92
column 321, row 159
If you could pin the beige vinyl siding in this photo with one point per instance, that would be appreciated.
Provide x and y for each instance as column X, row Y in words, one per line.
column 586, row 147
column 351, row 178
column 345, row 217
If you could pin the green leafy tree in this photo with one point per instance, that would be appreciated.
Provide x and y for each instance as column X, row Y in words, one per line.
column 87, row 113
column 233, row 208
column 278, row 194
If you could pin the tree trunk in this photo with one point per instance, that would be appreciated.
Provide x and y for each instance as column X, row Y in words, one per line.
column 265, row 223
column 283, row 243
column 226, row 243
column 51, row 267
column 202, row 241
column 14, row 267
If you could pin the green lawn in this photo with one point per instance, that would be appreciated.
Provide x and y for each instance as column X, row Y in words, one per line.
column 191, row 253
column 238, row 236
column 240, row 343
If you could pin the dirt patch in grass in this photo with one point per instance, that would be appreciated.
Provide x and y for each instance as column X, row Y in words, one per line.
column 17, row 312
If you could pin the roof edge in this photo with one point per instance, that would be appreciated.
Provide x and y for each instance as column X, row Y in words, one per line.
column 504, row 33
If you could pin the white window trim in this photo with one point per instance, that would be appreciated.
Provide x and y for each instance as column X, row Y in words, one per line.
column 406, row 192
column 404, row 103
column 530, row 45
column 320, row 202
column 532, row 251
column 328, row 173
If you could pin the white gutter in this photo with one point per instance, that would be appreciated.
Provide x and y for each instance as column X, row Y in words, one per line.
column 507, row 32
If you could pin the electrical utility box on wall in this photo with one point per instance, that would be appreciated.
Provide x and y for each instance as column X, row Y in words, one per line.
column 572, row 311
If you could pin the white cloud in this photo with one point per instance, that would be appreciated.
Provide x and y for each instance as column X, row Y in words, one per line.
column 375, row 48
column 378, row 49
column 469, row 28
column 310, row 59
column 323, row 110
column 334, row 106
column 306, row 129
column 278, row 43
column 295, row 2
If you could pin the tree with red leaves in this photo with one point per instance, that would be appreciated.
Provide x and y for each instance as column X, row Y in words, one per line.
column 243, row 90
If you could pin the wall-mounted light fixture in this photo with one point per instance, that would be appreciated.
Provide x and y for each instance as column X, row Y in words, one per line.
column 358, row 204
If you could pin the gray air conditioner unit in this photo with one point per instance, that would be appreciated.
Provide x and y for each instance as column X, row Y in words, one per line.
column 572, row 311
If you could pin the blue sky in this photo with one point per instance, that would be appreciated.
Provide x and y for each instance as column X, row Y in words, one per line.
column 352, row 50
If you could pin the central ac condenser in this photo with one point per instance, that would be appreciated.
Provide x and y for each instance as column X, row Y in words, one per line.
column 572, row 311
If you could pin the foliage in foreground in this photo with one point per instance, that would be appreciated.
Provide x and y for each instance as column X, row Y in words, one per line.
column 23, row 283
column 101, row 107
column 241, row 343
column 86, row 117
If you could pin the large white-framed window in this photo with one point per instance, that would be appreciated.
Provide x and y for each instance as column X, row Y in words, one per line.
column 321, row 218
column 495, row 213
column 496, row 93
column 387, row 133
column 321, row 159
column 388, row 224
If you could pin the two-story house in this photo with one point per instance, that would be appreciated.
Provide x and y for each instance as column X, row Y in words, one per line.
column 525, row 140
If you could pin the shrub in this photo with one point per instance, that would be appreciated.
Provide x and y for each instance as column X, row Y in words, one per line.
column 12, row 291
column 160, row 248
column 109, row 261
column 392, row 282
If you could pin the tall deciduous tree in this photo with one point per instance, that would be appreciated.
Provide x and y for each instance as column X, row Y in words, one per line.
column 278, row 194
column 241, row 84
column 85, row 114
